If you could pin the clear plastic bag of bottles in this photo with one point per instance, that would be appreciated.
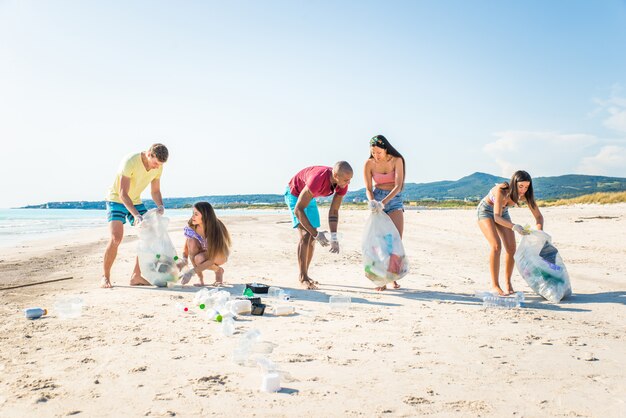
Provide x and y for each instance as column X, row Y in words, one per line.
column 541, row 265
column 156, row 251
column 384, row 259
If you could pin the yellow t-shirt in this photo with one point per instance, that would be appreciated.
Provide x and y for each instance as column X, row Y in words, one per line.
column 133, row 168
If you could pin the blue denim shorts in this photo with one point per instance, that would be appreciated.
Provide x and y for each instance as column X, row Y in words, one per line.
column 485, row 211
column 394, row 204
column 311, row 211
column 118, row 212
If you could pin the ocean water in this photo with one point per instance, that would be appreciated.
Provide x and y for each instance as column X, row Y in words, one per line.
column 21, row 225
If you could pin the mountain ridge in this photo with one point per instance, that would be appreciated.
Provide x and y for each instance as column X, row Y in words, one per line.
column 472, row 187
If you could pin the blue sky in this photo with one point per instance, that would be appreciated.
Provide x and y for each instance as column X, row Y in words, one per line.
column 245, row 93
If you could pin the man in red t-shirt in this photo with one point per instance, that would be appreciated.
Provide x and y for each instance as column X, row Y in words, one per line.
column 303, row 188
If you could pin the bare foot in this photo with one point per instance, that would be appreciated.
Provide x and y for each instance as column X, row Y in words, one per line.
column 499, row 291
column 396, row 285
column 219, row 277
column 312, row 281
column 381, row 288
column 509, row 290
column 105, row 283
column 139, row 281
column 308, row 284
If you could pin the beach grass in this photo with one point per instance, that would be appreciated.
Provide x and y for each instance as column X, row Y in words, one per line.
column 603, row 198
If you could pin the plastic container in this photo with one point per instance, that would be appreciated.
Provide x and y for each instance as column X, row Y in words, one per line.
column 240, row 306
column 252, row 300
column 257, row 287
column 283, row 310
column 270, row 382
column 69, row 308
column 274, row 292
column 258, row 309
column 339, row 302
column 34, row 313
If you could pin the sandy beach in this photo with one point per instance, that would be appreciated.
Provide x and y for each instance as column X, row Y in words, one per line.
column 429, row 348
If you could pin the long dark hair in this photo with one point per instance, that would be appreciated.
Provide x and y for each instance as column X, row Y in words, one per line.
column 519, row 176
column 215, row 232
column 381, row 142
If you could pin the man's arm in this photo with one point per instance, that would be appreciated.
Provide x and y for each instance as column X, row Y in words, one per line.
column 333, row 220
column 126, row 200
column 303, row 201
column 333, row 213
column 155, row 191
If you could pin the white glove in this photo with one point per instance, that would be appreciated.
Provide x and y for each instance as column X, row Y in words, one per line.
column 182, row 262
column 186, row 276
column 520, row 229
column 375, row 205
column 138, row 220
column 160, row 209
column 334, row 243
column 321, row 238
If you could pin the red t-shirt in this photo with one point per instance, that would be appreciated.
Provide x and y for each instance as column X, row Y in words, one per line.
column 318, row 179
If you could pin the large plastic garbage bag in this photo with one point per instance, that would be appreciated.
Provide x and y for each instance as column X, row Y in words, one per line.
column 541, row 265
column 384, row 259
column 156, row 251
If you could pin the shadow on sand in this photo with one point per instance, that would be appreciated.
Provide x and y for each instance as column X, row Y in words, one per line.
column 532, row 301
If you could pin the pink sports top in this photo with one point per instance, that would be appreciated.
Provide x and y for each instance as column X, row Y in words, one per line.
column 380, row 178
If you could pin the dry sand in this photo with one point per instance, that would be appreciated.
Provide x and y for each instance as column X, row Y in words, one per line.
column 429, row 348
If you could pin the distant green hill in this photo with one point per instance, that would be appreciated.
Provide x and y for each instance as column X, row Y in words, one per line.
column 472, row 187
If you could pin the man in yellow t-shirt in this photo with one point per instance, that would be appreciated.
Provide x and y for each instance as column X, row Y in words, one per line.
column 123, row 203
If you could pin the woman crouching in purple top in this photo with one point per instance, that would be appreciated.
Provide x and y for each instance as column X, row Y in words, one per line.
column 207, row 244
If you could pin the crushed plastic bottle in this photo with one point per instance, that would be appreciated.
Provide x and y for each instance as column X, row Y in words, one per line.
column 491, row 300
column 274, row 292
column 228, row 326
column 181, row 307
column 339, row 302
column 214, row 315
column 241, row 353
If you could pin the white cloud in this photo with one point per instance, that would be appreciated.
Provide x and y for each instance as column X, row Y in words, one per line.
column 553, row 154
column 613, row 109
column 617, row 120
column 539, row 153
column 610, row 161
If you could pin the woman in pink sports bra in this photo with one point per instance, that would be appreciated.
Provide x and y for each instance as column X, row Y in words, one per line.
column 496, row 225
column 384, row 174
column 208, row 244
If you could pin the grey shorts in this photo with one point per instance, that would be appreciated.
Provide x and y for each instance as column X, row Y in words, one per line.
column 485, row 211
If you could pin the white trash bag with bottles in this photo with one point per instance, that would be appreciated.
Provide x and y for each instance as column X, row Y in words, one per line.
column 541, row 265
column 384, row 259
column 156, row 252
